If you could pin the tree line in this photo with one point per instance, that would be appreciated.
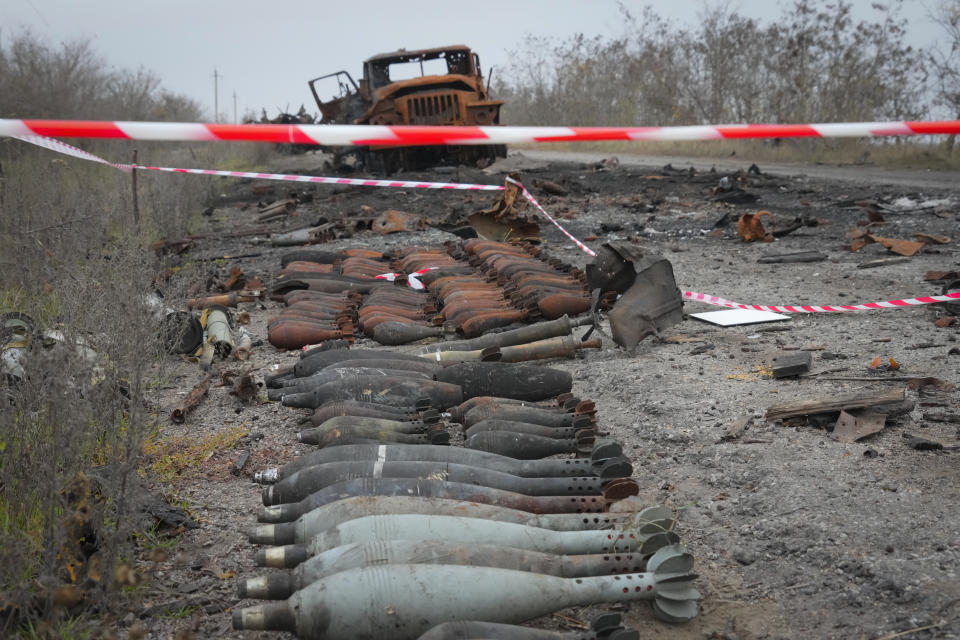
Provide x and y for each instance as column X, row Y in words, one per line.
column 814, row 63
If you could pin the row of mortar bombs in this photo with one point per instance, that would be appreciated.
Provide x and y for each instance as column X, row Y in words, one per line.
column 327, row 311
column 401, row 380
column 468, row 300
column 335, row 542
column 349, row 536
column 450, row 385
column 605, row 626
column 378, row 547
column 427, row 323
column 603, row 475
column 542, row 286
column 405, row 381
column 322, row 279
column 312, row 316
column 393, row 311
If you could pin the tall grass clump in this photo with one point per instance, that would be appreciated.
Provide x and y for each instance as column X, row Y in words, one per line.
column 81, row 355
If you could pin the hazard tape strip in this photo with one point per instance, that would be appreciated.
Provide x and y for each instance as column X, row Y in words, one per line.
column 887, row 304
column 533, row 201
column 379, row 135
column 62, row 147
column 70, row 150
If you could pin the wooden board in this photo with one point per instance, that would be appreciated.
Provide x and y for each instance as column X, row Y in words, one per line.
column 837, row 404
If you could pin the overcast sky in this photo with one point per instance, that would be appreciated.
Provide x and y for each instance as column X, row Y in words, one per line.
column 266, row 52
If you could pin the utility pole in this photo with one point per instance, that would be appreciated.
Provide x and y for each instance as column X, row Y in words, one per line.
column 216, row 96
column 235, row 121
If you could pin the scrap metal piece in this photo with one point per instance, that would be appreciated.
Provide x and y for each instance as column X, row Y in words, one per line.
column 313, row 235
column 801, row 256
column 190, row 403
column 393, row 221
column 791, row 364
column 504, row 221
column 861, row 238
column 854, row 425
column 751, row 228
column 650, row 300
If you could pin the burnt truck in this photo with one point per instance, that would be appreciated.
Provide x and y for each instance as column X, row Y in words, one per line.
column 441, row 86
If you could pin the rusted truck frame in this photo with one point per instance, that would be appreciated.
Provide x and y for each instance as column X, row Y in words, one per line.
column 458, row 97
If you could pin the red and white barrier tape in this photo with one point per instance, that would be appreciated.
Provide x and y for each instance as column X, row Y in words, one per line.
column 62, row 147
column 413, row 281
column 887, row 304
column 70, row 150
column 533, row 201
column 362, row 135
column 359, row 182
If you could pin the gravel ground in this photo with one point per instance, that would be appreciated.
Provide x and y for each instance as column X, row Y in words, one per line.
column 795, row 535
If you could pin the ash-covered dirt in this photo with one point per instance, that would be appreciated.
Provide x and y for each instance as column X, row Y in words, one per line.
column 795, row 535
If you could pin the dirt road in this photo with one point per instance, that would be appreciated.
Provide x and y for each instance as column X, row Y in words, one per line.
column 879, row 177
column 796, row 535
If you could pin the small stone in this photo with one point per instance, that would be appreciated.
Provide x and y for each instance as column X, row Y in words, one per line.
column 744, row 556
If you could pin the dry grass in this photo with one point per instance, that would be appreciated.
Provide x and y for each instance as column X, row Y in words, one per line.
column 73, row 430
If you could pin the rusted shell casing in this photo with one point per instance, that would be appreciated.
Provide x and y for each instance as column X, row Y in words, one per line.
column 304, row 265
column 320, row 360
column 483, row 322
column 382, row 424
column 372, row 322
column 388, row 362
column 523, row 445
column 521, row 427
column 394, row 310
column 331, row 375
column 428, row 488
column 395, row 333
column 309, row 255
column 305, row 295
column 358, row 434
column 520, row 413
column 518, row 381
column 562, row 347
column 458, row 412
column 395, row 391
column 532, row 333
column 326, row 345
column 293, row 334
column 363, row 409
column 557, row 305
column 311, row 479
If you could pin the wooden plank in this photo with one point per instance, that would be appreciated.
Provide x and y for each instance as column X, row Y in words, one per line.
column 830, row 405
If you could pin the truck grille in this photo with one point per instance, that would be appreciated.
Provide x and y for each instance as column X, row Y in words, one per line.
column 440, row 108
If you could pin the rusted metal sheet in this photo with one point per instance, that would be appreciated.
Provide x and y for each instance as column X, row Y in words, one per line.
column 650, row 299
column 504, row 220
column 393, row 221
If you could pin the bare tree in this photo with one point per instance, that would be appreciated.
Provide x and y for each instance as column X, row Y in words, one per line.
column 945, row 60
